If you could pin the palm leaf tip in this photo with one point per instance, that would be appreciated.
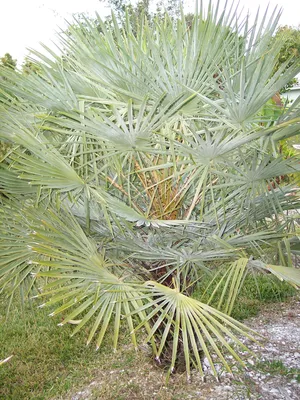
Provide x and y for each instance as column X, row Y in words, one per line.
column 5, row 360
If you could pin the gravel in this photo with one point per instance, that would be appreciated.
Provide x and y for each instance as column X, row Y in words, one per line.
column 280, row 326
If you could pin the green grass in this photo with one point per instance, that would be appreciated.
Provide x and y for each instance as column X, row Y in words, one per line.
column 277, row 367
column 46, row 361
column 258, row 289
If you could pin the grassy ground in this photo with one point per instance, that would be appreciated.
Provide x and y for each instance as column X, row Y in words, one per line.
column 47, row 363
column 277, row 367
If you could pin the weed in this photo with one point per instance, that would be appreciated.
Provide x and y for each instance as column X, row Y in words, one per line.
column 277, row 367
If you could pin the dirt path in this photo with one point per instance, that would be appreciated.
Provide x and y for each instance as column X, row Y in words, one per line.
column 274, row 376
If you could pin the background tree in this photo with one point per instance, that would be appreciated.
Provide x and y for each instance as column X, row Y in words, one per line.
column 8, row 61
column 30, row 66
column 144, row 8
column 290, row 50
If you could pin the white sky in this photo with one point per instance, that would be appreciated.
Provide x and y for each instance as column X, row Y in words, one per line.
column 25, row 23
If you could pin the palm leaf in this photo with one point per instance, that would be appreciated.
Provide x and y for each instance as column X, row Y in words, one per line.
column 198, row 326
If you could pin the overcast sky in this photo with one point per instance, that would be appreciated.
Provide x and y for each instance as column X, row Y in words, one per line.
column 25, row 23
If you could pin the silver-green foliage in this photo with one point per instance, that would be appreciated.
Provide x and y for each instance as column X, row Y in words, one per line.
column 138, row 163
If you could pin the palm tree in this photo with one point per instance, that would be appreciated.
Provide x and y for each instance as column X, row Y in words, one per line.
column 139, row 163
